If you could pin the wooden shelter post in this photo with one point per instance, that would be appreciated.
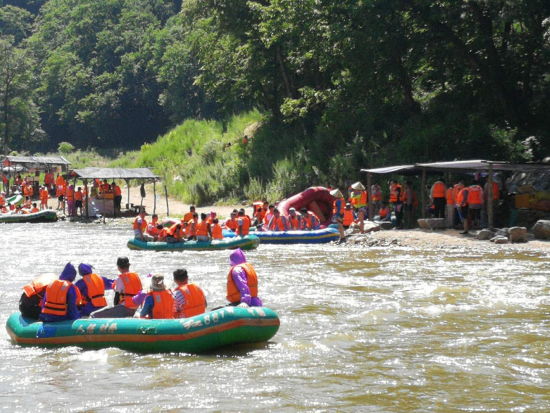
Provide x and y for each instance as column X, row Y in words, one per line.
column 167, row 207
column 369, row 195
column 490, row 198
column 423, row 192
column 154, row 197
column 128, row 186
column 87, row 191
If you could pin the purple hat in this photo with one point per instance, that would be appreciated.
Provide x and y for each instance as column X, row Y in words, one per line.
column 237, row 257
column 68, row 273
column 85, row 269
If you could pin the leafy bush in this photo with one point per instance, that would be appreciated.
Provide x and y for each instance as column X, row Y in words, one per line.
column 65, row 148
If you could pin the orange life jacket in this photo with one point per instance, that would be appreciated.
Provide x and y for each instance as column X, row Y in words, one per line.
column 172, row 231
column 191, row 230
column 383, row 213
column 393, row 193
column 376, row 194
column 495, row 191
column 70, row 193
column 267, row 217
column 187, row 217
column 2, row 201
column 309, row 221
column 348, row 217
column 56, row 298
column 474, row 195
column 294, row 221
column 164, row 304
column 132, row 286
column 335, row 210
column 118, row 191
column 413, row 194
column 195, row 301
column 438, row 190
column 456, row 191
column 245, row 228
column 34, row 210
column 217, row 232
column 96, row 290
column 162, row 234
column 463, row 197
column 78, row 196
column 26, row 190
column 44, row 195
column 360, row 200
column 233, row 294
column 277, row 224
column 231, row 224
column 449, row 196
column 143, row 224
column 202, row 229
column 39, row 285
column 152, row 229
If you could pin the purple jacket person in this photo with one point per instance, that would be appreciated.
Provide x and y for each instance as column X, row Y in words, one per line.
column 243, row 279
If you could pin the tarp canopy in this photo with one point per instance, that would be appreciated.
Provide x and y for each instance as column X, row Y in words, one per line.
column 114, row 173
column 36, row 162
column 399, row 169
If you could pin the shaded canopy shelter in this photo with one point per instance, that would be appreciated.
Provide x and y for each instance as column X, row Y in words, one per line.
column 126, row 174
column 41, row 163
column 478, row 165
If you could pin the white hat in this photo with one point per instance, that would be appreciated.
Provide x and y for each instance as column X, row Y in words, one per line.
column 336, row 193
column 359, row 186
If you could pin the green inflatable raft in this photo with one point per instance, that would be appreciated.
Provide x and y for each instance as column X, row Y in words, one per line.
column 249, row 242
column 41, row 216
column 222, row 327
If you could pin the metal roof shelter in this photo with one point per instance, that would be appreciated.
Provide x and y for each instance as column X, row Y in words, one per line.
column 457, row 167
column 126, row 174
column 36, row 162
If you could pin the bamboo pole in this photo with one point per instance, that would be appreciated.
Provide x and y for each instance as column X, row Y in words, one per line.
column 167, row 207
column 490, row 198
column 423, row 192
column 86, row 185
column 369, row 192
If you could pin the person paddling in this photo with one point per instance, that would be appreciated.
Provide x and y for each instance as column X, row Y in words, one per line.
column 242, row 282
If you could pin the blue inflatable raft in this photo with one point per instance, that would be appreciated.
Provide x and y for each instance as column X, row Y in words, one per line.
column 320, row 236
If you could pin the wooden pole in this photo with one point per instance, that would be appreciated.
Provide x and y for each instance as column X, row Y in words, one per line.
column 167, row 207
column 128, row 186
column 423, row 192
column 369, row 192
column 154, row 197
column 86, row 185
column 490, row 198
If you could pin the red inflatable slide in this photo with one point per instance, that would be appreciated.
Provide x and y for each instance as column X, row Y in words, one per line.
column 317, row 199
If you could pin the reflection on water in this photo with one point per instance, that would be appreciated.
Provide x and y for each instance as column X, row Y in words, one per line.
column 379, row 330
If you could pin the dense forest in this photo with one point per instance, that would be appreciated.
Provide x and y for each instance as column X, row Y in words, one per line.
column 340, row 84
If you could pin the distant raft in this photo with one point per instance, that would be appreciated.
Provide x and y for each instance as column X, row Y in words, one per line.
column 249, row 242
column 320, row 236
column 222, row 327
column 42, row 216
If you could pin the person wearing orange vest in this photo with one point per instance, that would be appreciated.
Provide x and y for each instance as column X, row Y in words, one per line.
column 153, row 227
column 140, row 227
column 396, row 198
column 34, row 208
column 231, row 223
column 118, row 196
column 243, row 224
column 191, row 231
column 242, row 282
column 268, row 214
column 189, row 298
column 70, row 200
column 47, row 179
column 159, row 303
column 309, row 221
column 217, row 231
column 450, row 205
column 410, row 202
column 92, row 290
column 126, row 286
column 44, row 195
column 5, row 183
column 203, row 232
column 277, row 222
column 30, row 303
column 61, row 298
column 437, row 197
column 384, row 212
column 28, row 203
column 105, row 187
column 2, row 199
column 294, row 219
column 359, row 200
column 475, row 203
column 349, row 216
column 174, row 234
column 338, row 205
column 462, row 203
column 189, row 216
column 60, row 194
column 78, row 196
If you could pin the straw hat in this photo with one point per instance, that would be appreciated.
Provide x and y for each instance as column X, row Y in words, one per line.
column 358, row 186
column 336, row 193
column 157, row 282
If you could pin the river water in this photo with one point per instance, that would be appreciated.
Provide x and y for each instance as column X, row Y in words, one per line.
column 379, row 330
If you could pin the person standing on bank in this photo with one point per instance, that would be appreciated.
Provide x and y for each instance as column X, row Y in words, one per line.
column 437, row 198
column 396, row 198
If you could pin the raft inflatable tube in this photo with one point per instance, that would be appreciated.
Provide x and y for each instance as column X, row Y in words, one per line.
column 317, row 199
column 249, row 242
column 222, row 327
column 319, row 236
column 42, row 216
column 16, row 200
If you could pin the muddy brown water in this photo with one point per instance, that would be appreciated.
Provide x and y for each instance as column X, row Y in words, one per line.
column 379, row 330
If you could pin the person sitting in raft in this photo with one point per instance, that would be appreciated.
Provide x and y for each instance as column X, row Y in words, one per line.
column 338, row 211
column 4, row 209
column 294, row 219
column 140, row 226
column 349, row 216
column 61, row 298
column 11, row 207
column 242, row 282
column 44, row 195
column 126, row 286
column 2, row 199
column 309, row 221
column 30, row 303
column 231, row 222
column 34, row 208
column 217, row 231
column 191, row 230
column 243, row 224
column 173, row 234
column 385, row 213
column 159, row 302
column 203, row 231
column 189, row 298
column 92, row 289
column 278, row 222
column 268, row 214
column 163, row 233
column 152, row 228
column 189, row 216
column 211, row 217
column 28, row 203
